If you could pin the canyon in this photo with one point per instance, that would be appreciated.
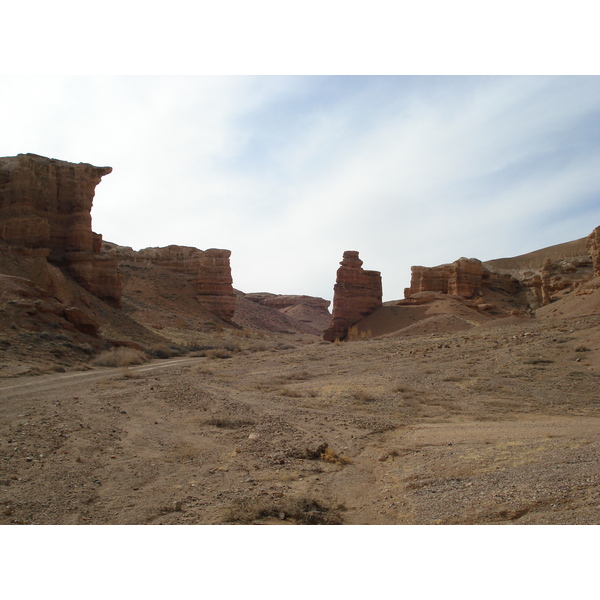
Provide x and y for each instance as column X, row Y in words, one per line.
column 141, row 387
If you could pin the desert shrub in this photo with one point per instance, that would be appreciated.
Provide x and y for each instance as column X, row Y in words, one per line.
column 164, row 351
column 322, row 452
column 120, row 357
column 290, row 393
column 362, row 395
column 303, row 511
column 217, row 353
column 355, row 335
column 582, row 349
column 228, row 423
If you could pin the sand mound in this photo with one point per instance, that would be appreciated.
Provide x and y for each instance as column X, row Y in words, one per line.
column 438, row 324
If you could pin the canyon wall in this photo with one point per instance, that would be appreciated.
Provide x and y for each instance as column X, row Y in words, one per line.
column 464, row 277
column 208, row 270
column 45, row 215
column 357, row 293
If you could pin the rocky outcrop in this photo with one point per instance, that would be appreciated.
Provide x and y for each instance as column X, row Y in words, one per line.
column 357, row 293
column 45, row 214
column 208, row 270
column 215, row 284
column 593, row 247
column 463, row 277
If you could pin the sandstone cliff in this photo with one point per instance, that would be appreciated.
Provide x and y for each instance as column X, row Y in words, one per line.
column 45, row 216
column 208, row 272
column 357, row 293
column 534, row 279
column 461, row 278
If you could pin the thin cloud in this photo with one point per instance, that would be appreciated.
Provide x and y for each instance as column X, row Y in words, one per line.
column 288, row 172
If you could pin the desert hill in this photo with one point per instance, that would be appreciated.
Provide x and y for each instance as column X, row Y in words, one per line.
column 532, row 261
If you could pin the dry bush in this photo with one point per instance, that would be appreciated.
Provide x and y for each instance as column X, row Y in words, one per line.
column 302, row 511
column 362, row 395
column 218, row 353
column 289, row 393
column 164, row 351
column 354, row 335
column 120, row 357
column 324, row 453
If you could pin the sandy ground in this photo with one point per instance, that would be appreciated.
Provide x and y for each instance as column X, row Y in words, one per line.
column 490, row 425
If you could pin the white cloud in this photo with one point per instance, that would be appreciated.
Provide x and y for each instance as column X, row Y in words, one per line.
column 290, row 172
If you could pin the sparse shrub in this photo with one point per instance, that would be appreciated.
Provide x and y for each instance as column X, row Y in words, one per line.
column 217, row 353
column 582, row 349
column 355, row 335
column 290, row 393
column 120, row 357
column 362, row 395
column 228, row 423
column 303, row 511
column 322, row 452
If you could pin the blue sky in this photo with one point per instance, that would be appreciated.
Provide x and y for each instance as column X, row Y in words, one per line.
column 290, row 171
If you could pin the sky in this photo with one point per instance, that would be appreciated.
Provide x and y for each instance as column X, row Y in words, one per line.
column 288, row 172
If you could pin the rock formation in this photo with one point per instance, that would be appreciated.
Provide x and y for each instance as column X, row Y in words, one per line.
column 593, row 247
column 215, row 284
column 357, row 293
column 45, row 215
column 463, row 277
column 208, row 270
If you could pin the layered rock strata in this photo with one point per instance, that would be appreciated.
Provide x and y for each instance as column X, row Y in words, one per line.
column 464, row 277
column 357, row 293
column 208, row 270
column 45, row 215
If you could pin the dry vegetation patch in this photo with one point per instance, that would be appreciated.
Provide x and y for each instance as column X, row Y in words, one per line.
column 120, row 357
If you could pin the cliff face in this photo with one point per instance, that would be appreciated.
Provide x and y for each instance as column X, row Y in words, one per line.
column 45, row 213
column 357, row 293
column 209, row 271
column 534, row 279
column 461, row 278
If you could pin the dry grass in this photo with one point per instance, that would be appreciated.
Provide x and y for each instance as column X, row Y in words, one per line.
column 120, row 357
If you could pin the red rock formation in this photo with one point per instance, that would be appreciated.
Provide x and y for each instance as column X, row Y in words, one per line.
column 357, row 293
column 463, row 277
column 45, row 210
column 593, row 247
column 215, row 284
column 209, row 270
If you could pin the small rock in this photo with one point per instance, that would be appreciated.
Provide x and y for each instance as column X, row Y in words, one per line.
column 177, row 506
column 253, row 436
column 8, row 511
